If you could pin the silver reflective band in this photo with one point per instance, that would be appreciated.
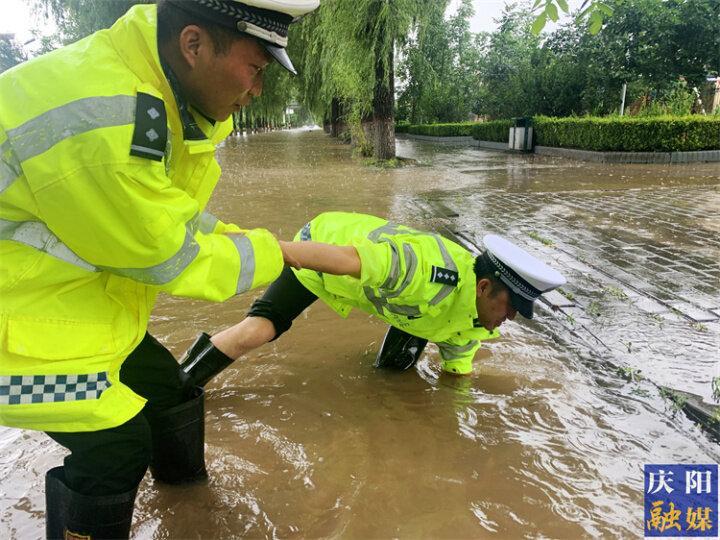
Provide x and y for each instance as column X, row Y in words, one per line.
column 9, row 166
column 41, row 133
column 305, row 233
column 24, row 389
column 381, row 304
column 453, row 352
column 207, row 223
column 167, row 270
column 36, row 235
column 247, row 262
column 374, row 299
column 391, row 228
column 394, row 273
column 148, row 150
column 408, row 311
column 450, row 265
column 410, row 267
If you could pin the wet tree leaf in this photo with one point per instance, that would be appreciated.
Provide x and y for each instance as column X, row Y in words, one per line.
column 539, row 23
column 552, row 11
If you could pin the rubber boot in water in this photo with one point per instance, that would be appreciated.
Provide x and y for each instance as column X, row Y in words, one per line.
column 203, row 361
column 178, row 442
column 70, row 515
column 399, row 350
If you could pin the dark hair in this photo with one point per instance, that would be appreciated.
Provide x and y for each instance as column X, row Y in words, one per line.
column 484, row 270
column 171, row 20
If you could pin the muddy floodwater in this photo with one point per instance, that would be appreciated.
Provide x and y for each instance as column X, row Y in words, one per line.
column 549, row 435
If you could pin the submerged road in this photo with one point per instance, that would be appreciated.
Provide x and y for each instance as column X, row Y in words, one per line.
column 549, row 435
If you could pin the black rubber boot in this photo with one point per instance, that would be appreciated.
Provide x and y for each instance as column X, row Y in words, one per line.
column 399, row 350
column 70, row 514
column 178, row 442
column 203, row 361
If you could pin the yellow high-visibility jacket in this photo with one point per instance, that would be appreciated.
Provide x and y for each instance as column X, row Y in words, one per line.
column 104, row 175
column 418, row 282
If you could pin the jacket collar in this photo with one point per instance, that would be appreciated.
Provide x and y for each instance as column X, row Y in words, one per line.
column 134, row 36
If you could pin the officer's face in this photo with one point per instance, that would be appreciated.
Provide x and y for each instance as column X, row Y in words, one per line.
column 493, row 305
column 220, row 84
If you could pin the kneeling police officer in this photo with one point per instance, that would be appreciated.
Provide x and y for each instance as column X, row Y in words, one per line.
column 426, row 287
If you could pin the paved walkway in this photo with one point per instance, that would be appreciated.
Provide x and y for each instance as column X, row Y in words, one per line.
column 643, row 263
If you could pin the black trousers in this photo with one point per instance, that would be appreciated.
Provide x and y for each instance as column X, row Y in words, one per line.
column 283, row 301
column 113, row 461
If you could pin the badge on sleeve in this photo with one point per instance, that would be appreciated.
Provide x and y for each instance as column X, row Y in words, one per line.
column 150, row 135
column 444, row 276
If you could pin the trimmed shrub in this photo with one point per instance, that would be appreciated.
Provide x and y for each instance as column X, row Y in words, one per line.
column 602, row 134
column 494, row 130
column 630, row 134
column 402, row 126
column 461, row 129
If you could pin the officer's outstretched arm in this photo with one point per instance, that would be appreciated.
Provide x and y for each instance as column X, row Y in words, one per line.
column 325, row 258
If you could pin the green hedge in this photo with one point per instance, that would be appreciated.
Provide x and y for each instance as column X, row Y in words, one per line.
column 603, row 134
column 461, row 129
column 630, row 134
column 494, row 130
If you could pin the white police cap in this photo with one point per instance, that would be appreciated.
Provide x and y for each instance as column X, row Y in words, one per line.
column 266, row 20
column 526, row 277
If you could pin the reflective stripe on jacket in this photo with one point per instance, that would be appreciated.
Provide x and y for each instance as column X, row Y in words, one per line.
column 90, row 233
column 398, row 282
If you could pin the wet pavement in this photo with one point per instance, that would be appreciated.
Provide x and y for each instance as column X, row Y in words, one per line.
column 642, row 262
column 549, row 435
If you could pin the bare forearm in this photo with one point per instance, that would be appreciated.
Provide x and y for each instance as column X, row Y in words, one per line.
column 326, row 258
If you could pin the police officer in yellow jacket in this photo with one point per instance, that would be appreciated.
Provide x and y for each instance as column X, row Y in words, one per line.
column 106, row 165
column 426, row 287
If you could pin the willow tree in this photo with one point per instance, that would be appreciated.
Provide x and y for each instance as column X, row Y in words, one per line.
column 268, row 109
column 348, row 58
column 76, row 19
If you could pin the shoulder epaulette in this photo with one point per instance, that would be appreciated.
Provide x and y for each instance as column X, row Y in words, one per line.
column 444, row 276
column 150, row 135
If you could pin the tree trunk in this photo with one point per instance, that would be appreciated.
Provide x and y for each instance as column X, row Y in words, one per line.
column 335, row 117
column 383, row 105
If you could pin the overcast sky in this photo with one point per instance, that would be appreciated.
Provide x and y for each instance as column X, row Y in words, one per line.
column 18, row 19
column 486, row 11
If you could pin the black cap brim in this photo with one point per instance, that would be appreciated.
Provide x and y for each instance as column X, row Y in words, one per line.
column 522, row 305
column 279, row 54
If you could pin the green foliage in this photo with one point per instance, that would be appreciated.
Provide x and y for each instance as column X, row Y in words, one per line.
column 603, row 134
column 715, row 386
column 677, row 399
column 593, row 13
column 278, row 92
column 616, row 292
column 347, row 57
column 438, row 74
column 507, row 65
column 648, row 44
column 11, row 53
column 495, row 130
column 463, row 129
column 678, row 100
column 628, row 134
column 545, row 241
column 76, row 19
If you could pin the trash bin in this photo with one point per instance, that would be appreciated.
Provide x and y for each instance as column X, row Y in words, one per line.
column 521, row 135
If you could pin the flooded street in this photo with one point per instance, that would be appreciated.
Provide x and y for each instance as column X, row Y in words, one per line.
column 549, row 435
